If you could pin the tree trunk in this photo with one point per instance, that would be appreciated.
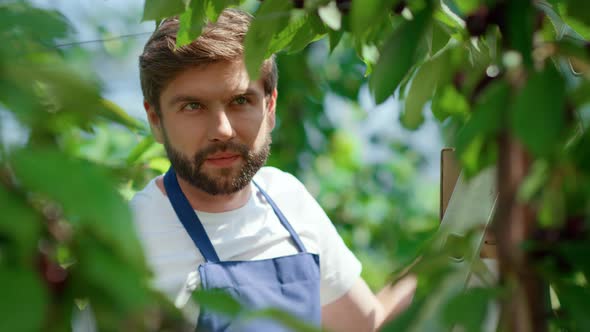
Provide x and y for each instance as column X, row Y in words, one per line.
column 523, row 308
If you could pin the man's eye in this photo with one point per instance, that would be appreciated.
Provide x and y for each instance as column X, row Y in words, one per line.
column 192, row 107
column 241, row 100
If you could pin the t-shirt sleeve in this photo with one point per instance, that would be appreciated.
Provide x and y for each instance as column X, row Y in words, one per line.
column 339, row 267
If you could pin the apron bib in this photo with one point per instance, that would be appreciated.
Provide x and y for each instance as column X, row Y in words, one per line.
column 289, row 283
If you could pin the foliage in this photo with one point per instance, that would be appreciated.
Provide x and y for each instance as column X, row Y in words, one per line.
column 492, row 68
column 80, row 156
column 488, row 68
column 66, row 234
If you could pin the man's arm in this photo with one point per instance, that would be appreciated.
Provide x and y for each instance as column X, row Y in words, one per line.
column 360, row 310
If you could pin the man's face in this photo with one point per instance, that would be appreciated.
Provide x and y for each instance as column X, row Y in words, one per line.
column 215, row 125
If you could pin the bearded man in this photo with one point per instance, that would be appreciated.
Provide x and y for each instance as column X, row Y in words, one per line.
column 219, row 219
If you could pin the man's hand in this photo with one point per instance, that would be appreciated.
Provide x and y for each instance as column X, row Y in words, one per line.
column 360, row 310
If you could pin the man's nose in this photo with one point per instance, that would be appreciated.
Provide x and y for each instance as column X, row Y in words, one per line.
column 220, row 127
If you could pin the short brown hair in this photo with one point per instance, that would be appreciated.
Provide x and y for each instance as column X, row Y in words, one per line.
column 223, row 40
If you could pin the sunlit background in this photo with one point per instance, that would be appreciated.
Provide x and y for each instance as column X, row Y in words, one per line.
column 377, row 180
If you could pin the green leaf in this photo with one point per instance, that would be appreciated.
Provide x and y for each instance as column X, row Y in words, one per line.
column 564, row 26
column 215, row 7
column 422, row 88
column 18, row 98
column 448, row 101
column 405, row 319
column 57, row 82
column 218, row 301
column 552, row 210
column 577, row 29
column 576, row 253
column 302, row 29
column 335, row 37
column 438, row 37
column 21, row 18
column 425, row 314
column 579, row 10
column 580, row 152
column 449, row 18
column 534, row 182
column 520, row 26
column 481, row 153
column 574, row 301
column 312, row 30
column 364, row 14
column 98, row 269
column 487, row 117
column 70, row 97
column 581, row 94
column 157, row 9
column 272, row 17
column 191, row 23
column 113, row 112
column 20, row 222
column 146, row 143
column 467, row 6
column 317, row 25
column 468, row 309
column 161, row 165
column 537, row 115
column 86, row 192
column 474, row 139
column 398, row 56
column 403, row 85
column 24, row 300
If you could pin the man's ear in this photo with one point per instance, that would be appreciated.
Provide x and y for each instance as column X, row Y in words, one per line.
column 155, row 121
column 271, row 107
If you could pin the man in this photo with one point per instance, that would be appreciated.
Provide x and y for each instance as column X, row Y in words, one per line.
column 218, row 218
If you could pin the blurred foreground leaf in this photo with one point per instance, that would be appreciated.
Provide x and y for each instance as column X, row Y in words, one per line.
column 422, row 88
column 538, row 113
column 24, row 301
column 191, row 23
column 86, row 192
column 469, row 309
column 270, row 19
column 398, row 56
column 158, row 9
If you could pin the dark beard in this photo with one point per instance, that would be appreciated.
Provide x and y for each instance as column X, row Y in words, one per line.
column 224, row 183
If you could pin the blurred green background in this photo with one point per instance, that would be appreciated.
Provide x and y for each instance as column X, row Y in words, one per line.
column 376, row 180
column 75, row 146
column 79, row 132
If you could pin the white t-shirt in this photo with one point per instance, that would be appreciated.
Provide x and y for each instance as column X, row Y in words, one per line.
column 251, row 232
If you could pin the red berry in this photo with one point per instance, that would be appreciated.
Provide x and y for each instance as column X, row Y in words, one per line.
column 299, row 3
column 343, row 6
column 477, row 22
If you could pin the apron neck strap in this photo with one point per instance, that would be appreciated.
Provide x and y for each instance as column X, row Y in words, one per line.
column 194, row 227
column 283, row 219
column 188, row 217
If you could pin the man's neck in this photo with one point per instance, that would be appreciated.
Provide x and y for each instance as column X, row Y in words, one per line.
column 205, row 202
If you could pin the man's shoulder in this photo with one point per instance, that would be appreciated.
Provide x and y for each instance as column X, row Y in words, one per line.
column 148, row 193
column 149, row 203
column 271, row 173
column 273, row 179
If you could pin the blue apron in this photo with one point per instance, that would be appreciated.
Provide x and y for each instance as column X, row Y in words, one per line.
column 289, row 283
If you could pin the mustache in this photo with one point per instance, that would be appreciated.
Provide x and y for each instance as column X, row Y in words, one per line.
column 241, row 149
